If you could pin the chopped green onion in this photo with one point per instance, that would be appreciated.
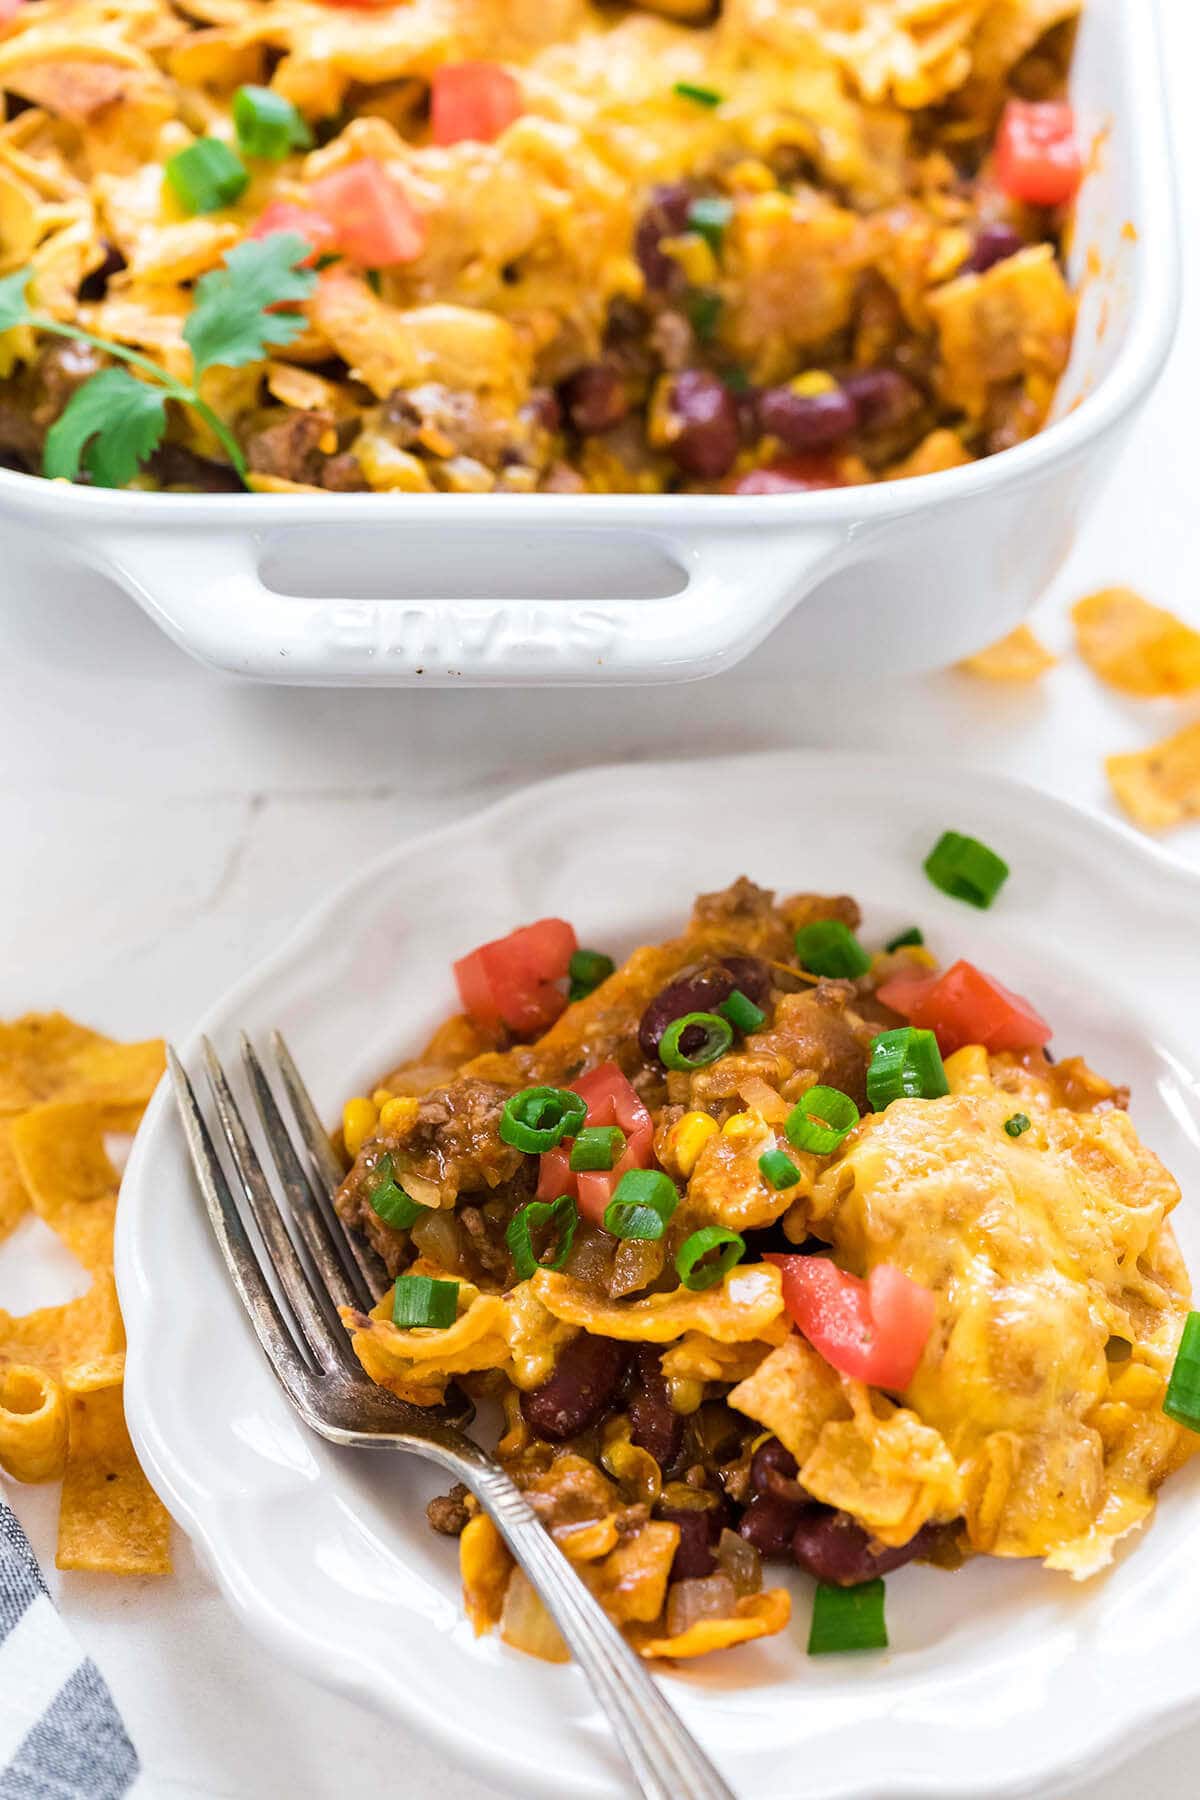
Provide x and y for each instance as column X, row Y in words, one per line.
column 966, row 869
column 827, row 947
column 538, row 1118
column 587, row 969
column 914, row 935
column 267, row 124
column 822, row 1119
column 737, row 380
column 703, row 96
column 742, row 1013
column 718, row 1035
column 847, row 1618
column 905, row 1063
column 206, row 176
column 709, row 217
column 561, row 1214
column 389, row 1200
column 421, row 1301
column 641, row 1205
column 695, row 1272
column 777, row 1169
column 1017, row 1124
column 597, row 1147
column 1183, row 1390
column 704, row 309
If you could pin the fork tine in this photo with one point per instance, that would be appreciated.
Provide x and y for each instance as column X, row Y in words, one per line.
column 370, row 1268
column 321, row 1327
column 232, row 1238
column 302, row 1202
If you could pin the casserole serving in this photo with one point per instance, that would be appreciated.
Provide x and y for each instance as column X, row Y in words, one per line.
column 661, row 586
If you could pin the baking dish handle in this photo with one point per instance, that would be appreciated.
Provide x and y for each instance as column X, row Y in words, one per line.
column 734, row 587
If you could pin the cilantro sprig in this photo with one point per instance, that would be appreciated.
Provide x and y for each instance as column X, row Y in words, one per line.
column 115, row 420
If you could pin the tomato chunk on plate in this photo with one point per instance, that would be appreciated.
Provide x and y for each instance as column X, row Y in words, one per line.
column 965, row 1006
column 873, row 1330
column 1037, row 152
column 376, row 223
column 475, row 100
column 511, row 979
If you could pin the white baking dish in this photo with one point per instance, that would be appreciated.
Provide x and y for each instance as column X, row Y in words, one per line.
column 350, row 589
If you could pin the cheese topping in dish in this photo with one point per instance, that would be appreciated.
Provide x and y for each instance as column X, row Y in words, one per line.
column 498, row 245
column 772, row 1248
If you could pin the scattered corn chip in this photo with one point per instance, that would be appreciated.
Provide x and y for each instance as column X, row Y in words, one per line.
column 14, row 1200
column 46, row 1056
column 485, row 1564
column 54, row 1337
column 110, row 1519
column 33, row 1424
column 1136, row 647
column 1160, row 787
column 1018, row 657
column 72, row 1184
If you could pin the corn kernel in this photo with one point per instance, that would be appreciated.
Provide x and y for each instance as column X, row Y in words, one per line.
column 687, row 1138
column 742, row 1127
column 813, row 382
column 381, row 1096
column 396, row 1114
column 750, row 173
column 359, row 1119
column 694, row 255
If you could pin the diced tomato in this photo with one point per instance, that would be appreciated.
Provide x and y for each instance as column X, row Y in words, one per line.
column 965, row 1006
column 472, row 100
column 283, row 215
column 610, row 1101
column 791, row 475
column 376, row 223
column 1037, row 152
column 873, row 1330
column 510, row 980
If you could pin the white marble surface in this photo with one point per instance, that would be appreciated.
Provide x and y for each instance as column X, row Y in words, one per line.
column 160, row 828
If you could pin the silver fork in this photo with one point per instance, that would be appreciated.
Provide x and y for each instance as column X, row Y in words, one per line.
column 309, row 1350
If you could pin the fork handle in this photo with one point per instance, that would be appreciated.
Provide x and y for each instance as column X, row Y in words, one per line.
column 665, row 1758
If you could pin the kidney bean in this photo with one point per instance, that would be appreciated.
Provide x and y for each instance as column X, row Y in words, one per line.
column 835, row 1548
column 665, row 216
column 700, row 1529
column 807, row 421
column 595, row 398
column 578, row 1393
column 881, row 397
column 993, row 243
column 706, row 413
column 701, row 989
column 657, row 1427
column 770, row 1524
column 773, row 1471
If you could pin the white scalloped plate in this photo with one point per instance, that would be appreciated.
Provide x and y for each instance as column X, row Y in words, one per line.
column 1002, row 1680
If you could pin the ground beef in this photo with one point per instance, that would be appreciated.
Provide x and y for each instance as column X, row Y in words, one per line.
column 294, row 446
column 33, row 400
column 448, row 1514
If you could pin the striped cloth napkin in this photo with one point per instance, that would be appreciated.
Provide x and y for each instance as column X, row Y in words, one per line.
column 61, row 1737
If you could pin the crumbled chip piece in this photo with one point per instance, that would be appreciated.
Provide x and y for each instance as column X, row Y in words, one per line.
column 110, row 1519
column 1159, row 787
column 1136, row 647
column 1018, row 657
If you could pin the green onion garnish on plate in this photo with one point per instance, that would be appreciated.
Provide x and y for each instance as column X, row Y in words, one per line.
column 206, row 176
column 538, row 1118
column 692, row 1264
column 717, row 1037
column 390, row 1202
column 1183, row 1390
column 642, row 1205
column 902, row 940
column 966, row 869
column 827, row 947
column 778, row 1170
column 905, row 1064
column 821, row 1120
column 561, row 1216
column 692, row 90
column 267, row 124
column 847, row 1618
column 596, row 1147
column 421, row 1301
column 742, row 1013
